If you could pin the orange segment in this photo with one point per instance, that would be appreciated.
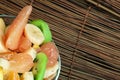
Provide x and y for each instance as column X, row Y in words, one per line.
column 52, row 53
column 24, row 44
column 13, row 76
column 21, row 63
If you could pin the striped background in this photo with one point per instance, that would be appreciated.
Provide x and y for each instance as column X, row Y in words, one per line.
column 86, row 32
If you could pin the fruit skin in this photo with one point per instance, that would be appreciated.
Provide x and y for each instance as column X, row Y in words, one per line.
column 40, row 66
column 15, row 30
column 45, row 29
column 34, row 34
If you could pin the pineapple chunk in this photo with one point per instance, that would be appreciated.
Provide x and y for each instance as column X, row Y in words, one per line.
column 1, row 73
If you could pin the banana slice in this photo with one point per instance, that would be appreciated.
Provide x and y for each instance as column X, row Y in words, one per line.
column 2, row 46
column 32, row 52
column 2, row 28
column 27, row 76
column 45, row 29
column 34, row 34
column 5, row 65
column 2, row 24
column 1, row 73
column 51, row 71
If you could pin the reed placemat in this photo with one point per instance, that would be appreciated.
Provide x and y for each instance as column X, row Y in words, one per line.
column 87, row 33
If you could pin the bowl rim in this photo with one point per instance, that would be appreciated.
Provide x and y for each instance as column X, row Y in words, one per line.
column 59, row 69
column 6, row 16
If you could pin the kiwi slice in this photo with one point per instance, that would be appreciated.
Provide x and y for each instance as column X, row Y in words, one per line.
column 44, row 28
column 40, row 66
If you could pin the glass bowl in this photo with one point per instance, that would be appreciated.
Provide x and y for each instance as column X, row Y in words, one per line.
column 8, row 19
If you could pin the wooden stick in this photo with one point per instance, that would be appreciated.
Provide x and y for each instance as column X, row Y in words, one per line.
column 103, row 7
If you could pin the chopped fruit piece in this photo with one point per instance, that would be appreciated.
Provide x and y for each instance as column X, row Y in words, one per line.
column 2, row 46
column 40, row 66
column 1, row 73
column 13, row 76
column 27, row 76
column 4, row 64
column 34, row 34
column 52, row 53
column 44, row 28
column 24, row 44
column 32, row 52
column 7, row 55
column 21, row 63
column 2, row 24
column 15, row 30
column 35, row 46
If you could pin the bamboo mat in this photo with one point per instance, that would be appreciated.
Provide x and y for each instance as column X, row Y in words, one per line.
column 86, row 32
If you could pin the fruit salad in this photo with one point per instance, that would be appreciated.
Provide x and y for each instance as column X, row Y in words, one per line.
column 26, row 49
